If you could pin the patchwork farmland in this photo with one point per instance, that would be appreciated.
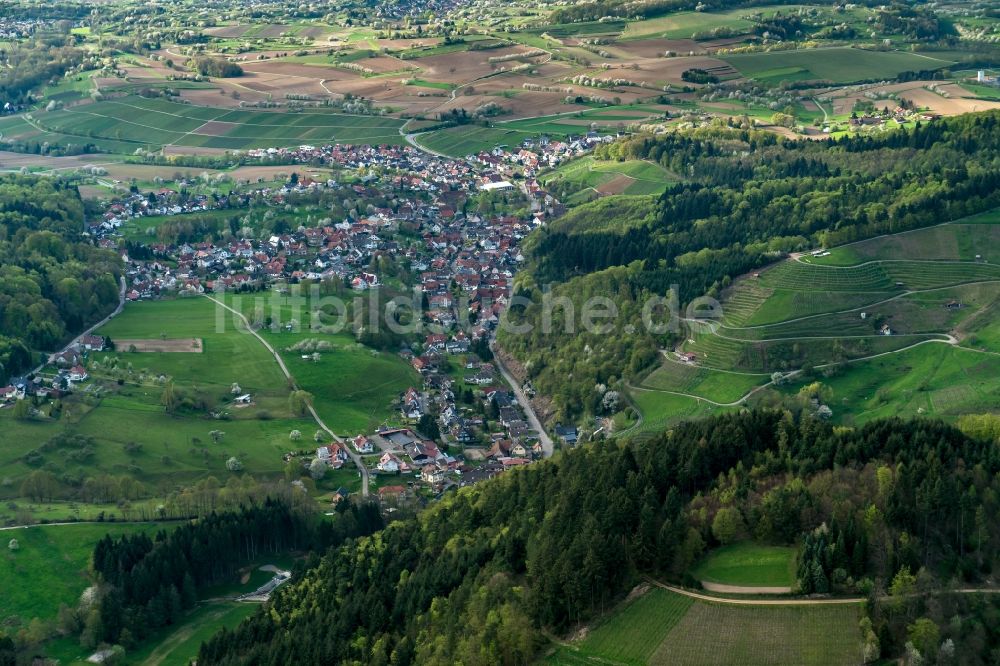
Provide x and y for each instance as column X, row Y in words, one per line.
column 154, row 123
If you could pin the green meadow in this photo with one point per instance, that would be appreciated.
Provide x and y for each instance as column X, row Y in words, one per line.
column 630, row 177
column 750, row 564
column 933, row 289
column 353, row 386
column 49, row 568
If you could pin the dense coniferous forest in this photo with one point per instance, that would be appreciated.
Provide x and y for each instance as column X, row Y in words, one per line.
column 53, row 281
column 889, row 509
column 748, row 197
column 144, row 583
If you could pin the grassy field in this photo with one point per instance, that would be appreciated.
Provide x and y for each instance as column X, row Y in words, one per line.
column 353, row 385
column 683, row 24
column 933, row 288
column 132, row 432
column 717, row 386
column 17, row 128
column 462, row 141
column 660, row 410
column 931, row 380
column 748, row 564
column 948, row 242
column 179, row 646
column 629, row 177
column 50, row 567
column 839, row 65
column 173, row 646
column 152, row 123
column 230, row 354
column 661, row 627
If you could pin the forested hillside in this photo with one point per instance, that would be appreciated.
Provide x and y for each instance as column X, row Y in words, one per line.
column 53, row 281
column 482, row 576
column 144, row 584
column 749, row 198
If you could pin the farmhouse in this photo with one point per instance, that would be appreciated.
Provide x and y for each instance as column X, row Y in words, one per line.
column 501, row 186
column 92, row 342
column 363, row 444
column 568, row 434
column 389, row 463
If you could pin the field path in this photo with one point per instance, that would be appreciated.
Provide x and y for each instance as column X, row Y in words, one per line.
column 121, row 304
column 802, row 602
column 744, row 589
column 312, row 410
column 826, row 116
column 179, row 637
column 952, row 341
column 756, row 602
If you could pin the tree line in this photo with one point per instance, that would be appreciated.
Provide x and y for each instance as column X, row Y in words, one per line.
column 145, row 583
column 481, row 577
column 53, row 281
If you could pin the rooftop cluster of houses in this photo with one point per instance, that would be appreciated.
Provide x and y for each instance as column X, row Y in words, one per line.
column 463, row 263
column 899, row 114
column 12, row 27
column 66, row 368
column 479, row 254
column 534, row 154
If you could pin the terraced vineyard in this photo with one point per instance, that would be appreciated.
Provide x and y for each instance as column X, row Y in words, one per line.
column 662, row 627
column 843, row 319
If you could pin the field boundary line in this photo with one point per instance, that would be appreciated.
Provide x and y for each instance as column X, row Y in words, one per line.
column 804, row 601
column 756, row 602
column 908, row 292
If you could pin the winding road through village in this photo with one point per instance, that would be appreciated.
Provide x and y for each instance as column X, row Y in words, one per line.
column 355, row 456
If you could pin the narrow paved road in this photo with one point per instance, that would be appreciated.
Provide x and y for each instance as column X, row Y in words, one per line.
column 121, row 304
column 312, row 410
column 522, row 399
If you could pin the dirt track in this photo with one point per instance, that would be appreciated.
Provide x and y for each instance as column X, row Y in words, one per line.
column 170, row 345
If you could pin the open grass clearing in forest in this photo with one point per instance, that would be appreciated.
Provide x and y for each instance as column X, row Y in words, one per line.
column 972, row 239
column 915, row 382
column 612, row 177
column 180, row 644
column 748, row 564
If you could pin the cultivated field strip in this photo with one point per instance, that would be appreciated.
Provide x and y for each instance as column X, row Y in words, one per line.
column 154, row 122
